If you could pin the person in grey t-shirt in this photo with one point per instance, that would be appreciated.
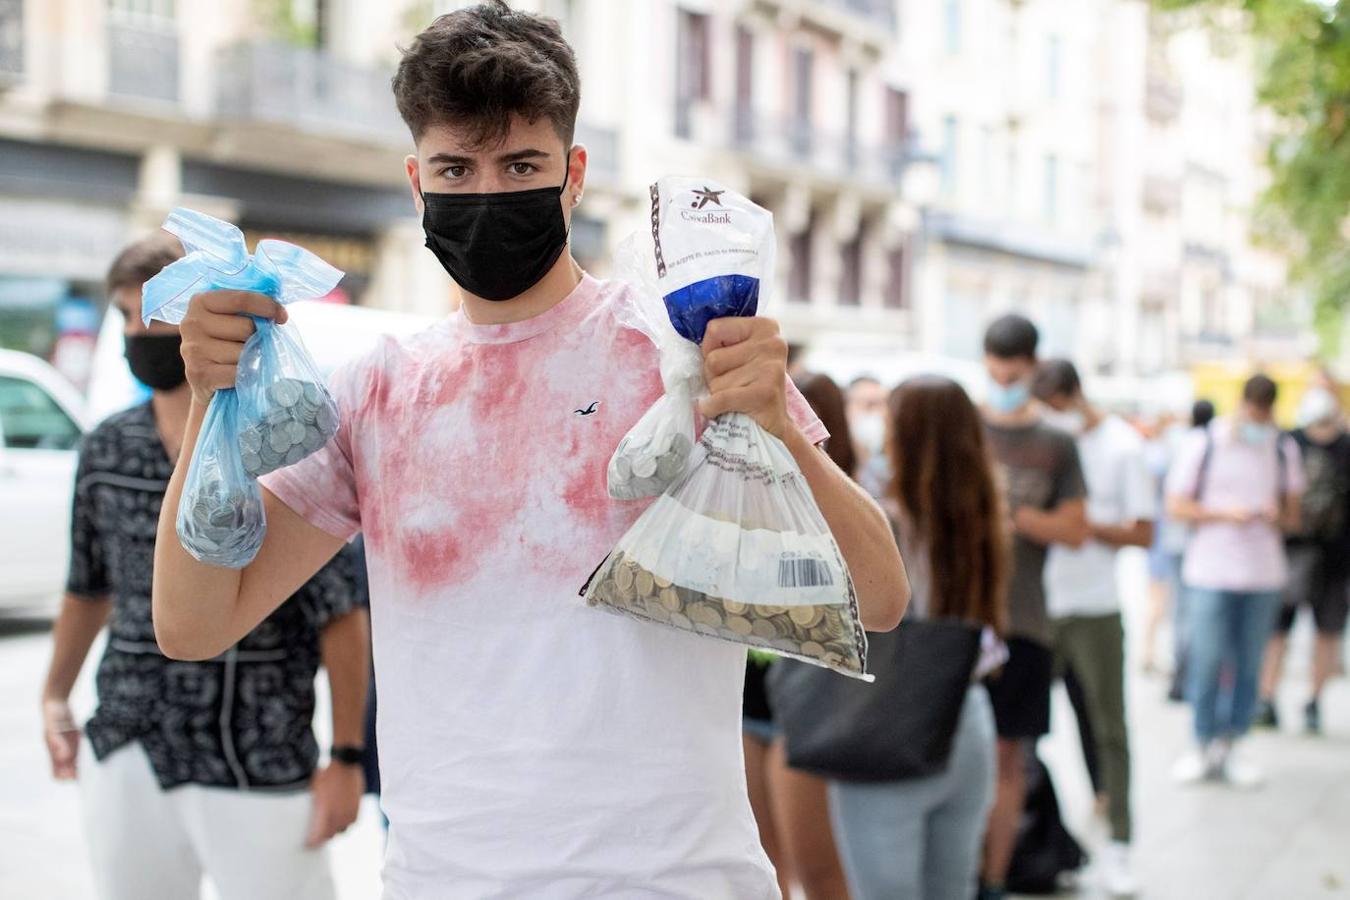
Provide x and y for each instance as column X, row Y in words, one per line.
column 1045, row 489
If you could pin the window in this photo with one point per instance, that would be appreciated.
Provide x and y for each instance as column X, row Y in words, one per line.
column 850, row 281
column 987, row 161
column 799, row 277
column 950, row 160
column 897, row 279
column 745, row 84
column 952, row 25
column 1051, row 188
column 31, row 420
column 803, row 61
column 693, row 81
column 1052, row 63
column 851, row 118
column 897, row 129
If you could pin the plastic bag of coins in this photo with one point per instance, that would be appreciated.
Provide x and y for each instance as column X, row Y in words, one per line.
column 735, row 548
column 220, row 517
column 285, row 410
column 279, row 410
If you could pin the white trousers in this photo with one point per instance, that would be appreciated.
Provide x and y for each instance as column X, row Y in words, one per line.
column 146, row 842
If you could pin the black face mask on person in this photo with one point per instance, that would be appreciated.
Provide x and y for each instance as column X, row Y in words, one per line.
column 496, row 246
column 156, row 360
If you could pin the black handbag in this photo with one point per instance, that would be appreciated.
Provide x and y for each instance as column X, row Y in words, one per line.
column 901, row 726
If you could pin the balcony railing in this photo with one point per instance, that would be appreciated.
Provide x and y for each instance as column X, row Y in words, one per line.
column 308, row 89
column 142, row 61
column 790, row 141
column 11, row 40
column 877, row 12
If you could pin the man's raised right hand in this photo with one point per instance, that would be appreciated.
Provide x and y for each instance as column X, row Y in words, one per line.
column 214, row 331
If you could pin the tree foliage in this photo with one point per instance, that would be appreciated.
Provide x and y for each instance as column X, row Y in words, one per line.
column 1303, row 77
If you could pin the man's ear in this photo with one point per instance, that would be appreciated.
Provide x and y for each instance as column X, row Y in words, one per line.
column 576, row 173
column 414, row 180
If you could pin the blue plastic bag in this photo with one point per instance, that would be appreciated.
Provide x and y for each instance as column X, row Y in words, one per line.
column 279, row 411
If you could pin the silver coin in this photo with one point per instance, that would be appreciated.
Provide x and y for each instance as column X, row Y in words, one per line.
column 250, row 439
column 644, row 467
column 667, row 467
column 623, row 468
column 252, row 462
column 314, row 439
column 295, row 454
column 326, row 419
column 279, row 440
column 276, row 416
column 313, row 393
column 296, row 432
column 287, row 392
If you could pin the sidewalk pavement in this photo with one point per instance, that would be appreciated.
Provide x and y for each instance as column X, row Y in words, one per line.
column 1290, row 839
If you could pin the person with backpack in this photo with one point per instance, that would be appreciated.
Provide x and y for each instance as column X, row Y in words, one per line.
column 1319, row 556
column 1238, row 484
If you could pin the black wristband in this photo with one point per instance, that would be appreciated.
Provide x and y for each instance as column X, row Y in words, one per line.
column 348, row 754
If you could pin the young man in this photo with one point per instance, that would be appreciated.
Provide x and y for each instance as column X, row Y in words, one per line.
column 529, row 745
column 207, row 767
column 1045, row 498
column 1084, row 602
column 1238, row 484
column 1319, row 555
column 866, row 409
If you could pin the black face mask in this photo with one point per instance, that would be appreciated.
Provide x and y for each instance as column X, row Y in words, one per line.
column 156, row 360
column 496, row 246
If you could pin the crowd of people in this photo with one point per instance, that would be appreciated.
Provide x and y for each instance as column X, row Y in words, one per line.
column 531, row 747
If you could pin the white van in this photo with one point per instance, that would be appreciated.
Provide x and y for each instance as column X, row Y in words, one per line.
column 42, row 419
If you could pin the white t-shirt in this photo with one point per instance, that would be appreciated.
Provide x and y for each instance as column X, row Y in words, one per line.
column 529, row 746
column 1082, row 582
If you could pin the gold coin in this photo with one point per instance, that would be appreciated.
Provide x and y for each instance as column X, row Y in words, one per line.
column 706, row 614
column 739, row 624
column 772, row 610
column 670, row 599
column 623, row 577
column 644, row 582
column 805, row 616
column 661, row 582
column 680, row 620
column 736, row 609
column 763, row 628
column 811, row 648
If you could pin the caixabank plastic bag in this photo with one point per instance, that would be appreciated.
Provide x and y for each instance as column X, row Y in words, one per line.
column 279, row 410
column 735, row 546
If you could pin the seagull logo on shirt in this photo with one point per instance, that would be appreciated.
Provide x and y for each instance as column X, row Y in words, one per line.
column 595, row 404
column 706, row 196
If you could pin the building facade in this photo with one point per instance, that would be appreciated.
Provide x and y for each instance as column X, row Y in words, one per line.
column 930, row 163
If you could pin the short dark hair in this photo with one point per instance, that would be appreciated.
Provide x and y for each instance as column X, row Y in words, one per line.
column 479, row 66
column 143, row 260
column 1056, row 378
column 1260, row 392
column 1202, row 413
column 865, row 378
column 1011, row 337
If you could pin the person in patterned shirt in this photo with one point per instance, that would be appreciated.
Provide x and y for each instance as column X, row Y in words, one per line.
column 194, row 768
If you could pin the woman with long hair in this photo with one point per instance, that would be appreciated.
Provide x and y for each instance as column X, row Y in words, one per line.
column 921, row 837
column 791, row 807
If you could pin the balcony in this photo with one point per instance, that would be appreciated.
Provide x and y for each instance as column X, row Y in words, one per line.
column 869, row 22
column 789, row 142
column 11, row 40
column 308, row 89
column 143, row 61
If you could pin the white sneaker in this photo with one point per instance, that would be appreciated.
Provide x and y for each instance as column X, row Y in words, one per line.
column 1242, row 774
column 1117, row 876
column 1192, row 768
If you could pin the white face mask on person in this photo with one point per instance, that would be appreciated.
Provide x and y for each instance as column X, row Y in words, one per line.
column 1256, row 434
column 1008, row 399
column 869, row 430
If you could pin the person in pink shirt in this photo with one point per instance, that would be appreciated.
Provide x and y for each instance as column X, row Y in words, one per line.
column 1237, row 483
column 529, row 746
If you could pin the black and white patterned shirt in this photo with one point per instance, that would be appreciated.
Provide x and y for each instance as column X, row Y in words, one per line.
column 241, row 720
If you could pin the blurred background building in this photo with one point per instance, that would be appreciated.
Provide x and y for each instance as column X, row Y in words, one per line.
column 930, row 163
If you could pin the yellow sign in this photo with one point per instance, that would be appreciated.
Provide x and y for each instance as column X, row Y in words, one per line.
column 1221, row 383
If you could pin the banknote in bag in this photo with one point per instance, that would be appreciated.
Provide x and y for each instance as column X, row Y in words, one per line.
column 279, row 410
column 734, row 547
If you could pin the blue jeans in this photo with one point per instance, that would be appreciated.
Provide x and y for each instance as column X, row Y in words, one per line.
column 920, row 839
column 1226, row 632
